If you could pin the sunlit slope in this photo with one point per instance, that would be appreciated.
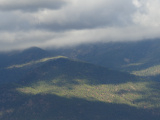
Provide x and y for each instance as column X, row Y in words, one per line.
column 18, row 106
column 63, row 89
column 72, row 78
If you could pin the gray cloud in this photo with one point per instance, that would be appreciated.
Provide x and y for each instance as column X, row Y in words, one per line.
column 30, row 5
column 13, row 21
column 85, row 15
column 54, row 23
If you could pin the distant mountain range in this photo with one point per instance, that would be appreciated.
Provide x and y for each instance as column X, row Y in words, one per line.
column 81, row 83
column 130, row 57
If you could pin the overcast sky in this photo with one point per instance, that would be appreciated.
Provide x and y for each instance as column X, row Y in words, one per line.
column 59, row 23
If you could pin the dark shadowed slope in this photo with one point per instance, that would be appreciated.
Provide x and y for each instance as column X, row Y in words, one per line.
column 9, row 61
column 74, row 69
column 126, row 56
column 19, row 57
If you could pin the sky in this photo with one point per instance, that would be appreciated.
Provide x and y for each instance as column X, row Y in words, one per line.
column 64, row 23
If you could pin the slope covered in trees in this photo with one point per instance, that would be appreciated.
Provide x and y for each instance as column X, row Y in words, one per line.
column 131, row 57
column 60, row 88
column 37, row 85
column 116, row 55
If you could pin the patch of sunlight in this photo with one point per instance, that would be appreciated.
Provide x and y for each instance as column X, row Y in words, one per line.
column 138, row 94
column 34, row 62
column 133, row 64
column 151, row 71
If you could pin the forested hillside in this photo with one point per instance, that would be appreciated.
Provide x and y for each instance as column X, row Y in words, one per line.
column 45, row 86
column 139, row 57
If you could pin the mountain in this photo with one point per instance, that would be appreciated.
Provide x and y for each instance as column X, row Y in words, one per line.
column 21, row 56
column 133, row 57
column 33, row 53
column 69, row 69
column 38, row 85
column 19, row 63
column 11, row 59
column 60, row 88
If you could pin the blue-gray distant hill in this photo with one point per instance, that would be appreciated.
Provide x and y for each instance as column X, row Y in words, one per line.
column 116, row 55
column 140, row 58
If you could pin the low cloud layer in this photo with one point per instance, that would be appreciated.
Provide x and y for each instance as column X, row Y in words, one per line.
column 59, row 23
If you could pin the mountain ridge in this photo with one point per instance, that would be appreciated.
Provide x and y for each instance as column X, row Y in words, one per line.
column 61, row 88
column 65, row 66
column 116, row 55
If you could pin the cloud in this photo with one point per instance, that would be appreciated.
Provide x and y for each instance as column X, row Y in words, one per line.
column 60, row 23
column 147, row 13
column 30, row 5
column 13, row 21
column 91, row 14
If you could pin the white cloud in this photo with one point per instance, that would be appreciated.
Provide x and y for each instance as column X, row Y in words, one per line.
column 148, row 13
column 70, row 22
column 87, row 14
column 137, row 3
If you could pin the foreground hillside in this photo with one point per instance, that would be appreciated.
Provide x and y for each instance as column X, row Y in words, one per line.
column 52, row 107
column 63, row 89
